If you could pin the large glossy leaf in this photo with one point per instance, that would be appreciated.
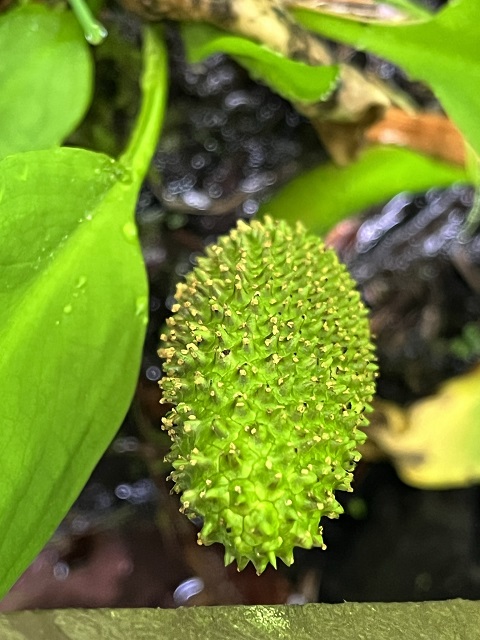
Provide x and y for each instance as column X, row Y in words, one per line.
column 323, row 196
column 73, row 311
column 45, row 77
column 441, row 51
column 293, row 80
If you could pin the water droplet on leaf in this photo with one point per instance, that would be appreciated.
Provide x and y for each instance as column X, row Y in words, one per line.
column 141, row 305
column 130, row 231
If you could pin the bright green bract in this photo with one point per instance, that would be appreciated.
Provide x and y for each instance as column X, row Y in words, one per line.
column 45, row 78
column 269, row 363
column 442, row 51
column 73, row 313
column 293, row 80
column 328, row 193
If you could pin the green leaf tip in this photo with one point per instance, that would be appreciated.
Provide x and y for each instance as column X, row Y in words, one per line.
column 269, row 364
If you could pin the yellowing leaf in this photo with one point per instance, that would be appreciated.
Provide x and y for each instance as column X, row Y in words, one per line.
column 435, row 443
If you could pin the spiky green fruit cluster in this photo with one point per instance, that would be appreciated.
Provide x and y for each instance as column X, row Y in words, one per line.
column 269, row 364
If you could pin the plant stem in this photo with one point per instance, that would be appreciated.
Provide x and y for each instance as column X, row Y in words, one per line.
column 95, row 32
column 144, row 138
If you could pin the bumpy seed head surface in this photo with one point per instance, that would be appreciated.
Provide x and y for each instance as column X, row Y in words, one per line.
column 269, row 364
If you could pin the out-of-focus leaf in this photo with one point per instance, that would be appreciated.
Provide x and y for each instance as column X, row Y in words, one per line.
column 467, row 344
column 435, row 443
column 473, row 165
column 73, row 311
column 390, row 10
column 439, row 620
column 294, row 81
column 442, row 52
column 45, row 77
column 323, row 196
column 409, row 7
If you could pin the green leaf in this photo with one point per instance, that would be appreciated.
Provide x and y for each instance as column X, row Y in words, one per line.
column 323, row 196
column 73, row 296
column 144, row 138
column 442, row 52
column 294, row 81
column 73, row 312
column 45, row 78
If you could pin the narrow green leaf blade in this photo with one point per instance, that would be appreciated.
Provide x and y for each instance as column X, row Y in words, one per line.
column 73, row 299
column 327, row 194
column 45, row 77
column 442, row 52
column 293, row 80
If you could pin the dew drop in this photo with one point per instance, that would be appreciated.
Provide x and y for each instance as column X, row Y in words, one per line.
column 67, row 309
column 130, row 231
column 141, row 305
column 96, row 33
